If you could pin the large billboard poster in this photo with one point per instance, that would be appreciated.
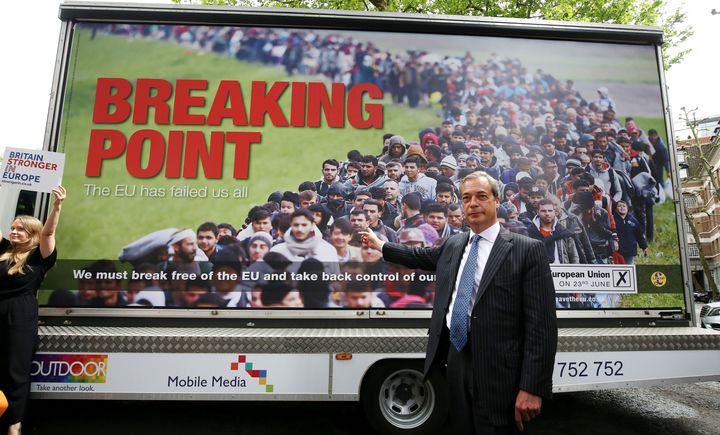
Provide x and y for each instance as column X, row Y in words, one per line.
column 231, row 167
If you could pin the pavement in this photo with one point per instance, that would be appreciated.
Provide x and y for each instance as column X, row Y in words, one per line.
column 681, row 409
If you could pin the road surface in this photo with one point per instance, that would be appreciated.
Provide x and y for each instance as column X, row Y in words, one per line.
column 683, row 409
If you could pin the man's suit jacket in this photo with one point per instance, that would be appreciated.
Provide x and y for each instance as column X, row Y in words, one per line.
column 513, row 327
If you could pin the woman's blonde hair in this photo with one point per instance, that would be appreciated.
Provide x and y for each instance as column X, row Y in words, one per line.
column 17, row 255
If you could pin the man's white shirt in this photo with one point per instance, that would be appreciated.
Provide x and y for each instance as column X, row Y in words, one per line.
column 487, row 239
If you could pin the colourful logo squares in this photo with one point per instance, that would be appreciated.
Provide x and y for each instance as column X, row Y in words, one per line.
column 261, row 375
column 69, row 368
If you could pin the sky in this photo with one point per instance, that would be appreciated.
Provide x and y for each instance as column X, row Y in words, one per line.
column 692, row 83
column 30, row 33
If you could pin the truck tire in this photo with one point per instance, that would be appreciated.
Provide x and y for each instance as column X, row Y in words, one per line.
column 396, row 400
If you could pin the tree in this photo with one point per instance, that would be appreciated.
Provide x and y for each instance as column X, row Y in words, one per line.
column 700, row 160
column 632, row 12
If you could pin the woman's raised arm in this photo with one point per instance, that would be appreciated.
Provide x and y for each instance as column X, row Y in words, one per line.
column 47, row 237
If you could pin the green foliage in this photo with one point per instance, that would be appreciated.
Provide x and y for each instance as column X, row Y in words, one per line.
column 676, row 33
column 629, row 12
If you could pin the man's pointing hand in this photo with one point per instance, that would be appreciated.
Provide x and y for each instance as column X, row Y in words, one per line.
column 370, row 240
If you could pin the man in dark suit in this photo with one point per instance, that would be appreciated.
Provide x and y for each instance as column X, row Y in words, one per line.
column 493, row 320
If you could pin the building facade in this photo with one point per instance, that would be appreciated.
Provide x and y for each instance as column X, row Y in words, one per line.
column 700, row 178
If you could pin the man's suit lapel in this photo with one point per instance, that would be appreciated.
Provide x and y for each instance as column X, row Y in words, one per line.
column 500, row 250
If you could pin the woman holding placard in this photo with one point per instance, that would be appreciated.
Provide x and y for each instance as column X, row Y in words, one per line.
column 25, row 257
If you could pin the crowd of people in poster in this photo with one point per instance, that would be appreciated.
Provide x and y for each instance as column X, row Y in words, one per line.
column 572, row 175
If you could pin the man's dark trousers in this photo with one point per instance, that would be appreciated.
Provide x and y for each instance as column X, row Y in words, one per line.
column 468, row 415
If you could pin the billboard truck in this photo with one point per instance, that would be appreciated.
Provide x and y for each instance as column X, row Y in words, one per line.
column 220, row 161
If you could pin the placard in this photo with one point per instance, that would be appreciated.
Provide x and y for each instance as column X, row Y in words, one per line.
column 35, row 170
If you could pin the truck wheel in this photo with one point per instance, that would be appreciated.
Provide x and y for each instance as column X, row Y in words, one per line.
column 396, row 400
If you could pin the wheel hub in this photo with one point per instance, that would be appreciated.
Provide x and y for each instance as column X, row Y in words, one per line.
column 406, row 400
column 404, row 392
